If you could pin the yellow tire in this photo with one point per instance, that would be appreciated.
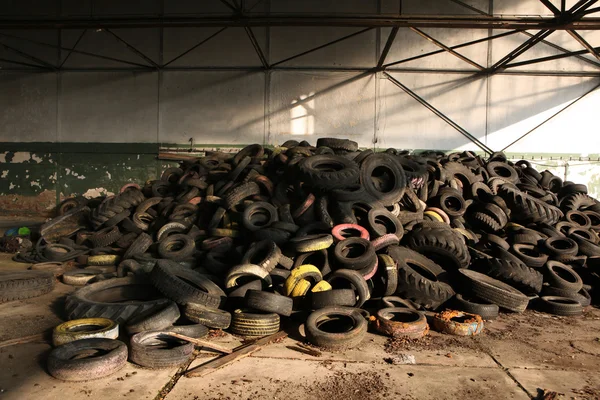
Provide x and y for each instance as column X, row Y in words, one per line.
column 322, row 286
column 300, row 273
column 85, row 328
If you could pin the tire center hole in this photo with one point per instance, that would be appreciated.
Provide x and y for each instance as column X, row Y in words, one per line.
column 403, row 317
column 564, row 274
column 452, row 203
column 336, row 324
column 562, row 244
column 85, row 328
column 354, row 250
column 385, row 177
column 385, row 223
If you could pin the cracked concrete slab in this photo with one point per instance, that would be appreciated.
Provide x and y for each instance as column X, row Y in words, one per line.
column 259, row 378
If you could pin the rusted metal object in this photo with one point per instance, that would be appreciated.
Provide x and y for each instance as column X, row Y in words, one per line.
column 399, row 322
column 458, row 323
column 65, row 225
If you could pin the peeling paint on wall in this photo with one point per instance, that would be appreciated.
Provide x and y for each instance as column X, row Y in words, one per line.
column 96, row 192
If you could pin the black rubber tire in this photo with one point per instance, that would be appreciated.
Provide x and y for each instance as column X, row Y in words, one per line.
column 526, row 236
column 192, row 330
column 561, row 246
column 354, row 253
column 119, row 299
column 530, row 255
column 354, row 192
column 105, row 237
column 176, row 247
column 576, row 201
column 148, row 350
column 18, row 285
column 278, row 236
column 249, row 220
column 456, row 170
column 513, row 272
column 494, row 291
column 346, row 338
column 154, row 320
column 585, row 246
column 72, row 361
column 502, row 170
column 425, row 285
column 338, row 144
column 441, row 244
column 355, row 280
column 485, row 310
column 184, row 285
column 573, row 283
column 266, row 254
column 395, row 301
column 328, row 171
column 583, row 297
column 333, row 297
column 389, row 273
column 211, row 317
column 382, row 222
column 396, row 177
column 245, row 323
column 415, row 171
column 451, row 202
column 269, row 302
column 139, row 246
column 560, row 306
column 322, row 211
column 239, row 193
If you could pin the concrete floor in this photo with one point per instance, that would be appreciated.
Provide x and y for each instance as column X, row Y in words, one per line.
column 515, row 358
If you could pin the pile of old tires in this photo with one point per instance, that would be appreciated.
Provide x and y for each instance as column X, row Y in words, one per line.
column 322, row 234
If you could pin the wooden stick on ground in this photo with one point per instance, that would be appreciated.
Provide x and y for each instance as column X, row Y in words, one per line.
column 309, row 350
column 38, row 337
column 238, row 353
column 201, row 342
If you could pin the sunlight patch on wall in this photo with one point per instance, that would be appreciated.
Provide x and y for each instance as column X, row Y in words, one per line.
column 302, row 116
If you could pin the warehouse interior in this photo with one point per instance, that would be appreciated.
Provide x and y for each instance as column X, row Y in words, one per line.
column 98, row 94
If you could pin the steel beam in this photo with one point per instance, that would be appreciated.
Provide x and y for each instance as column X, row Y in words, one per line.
column 257, row 48
column 581, row 6
column 74, row 46
column 407, row 21
column 590, row 11
column 585, row 44
column 322, row 46
column 550, row 58
column 448, row 49
column 195, row 46
column 434, row 110
column 557, row 47
column 28, row 56
column 21, row 63
column 529, row 43
column 458, row 46
column 234, row 9
column 387, row 47
column 132, row 48
column 551, row 7
column 554, row 115
column 74, row 50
